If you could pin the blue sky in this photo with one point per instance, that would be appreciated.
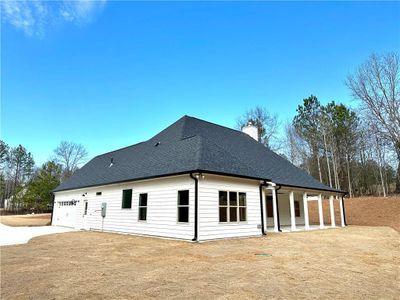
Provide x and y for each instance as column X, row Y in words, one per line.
column 112, row 74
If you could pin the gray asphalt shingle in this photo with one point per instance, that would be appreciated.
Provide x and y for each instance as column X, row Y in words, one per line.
column 191, row 144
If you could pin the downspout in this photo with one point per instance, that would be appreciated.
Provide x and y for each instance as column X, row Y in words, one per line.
column 344, row 209
column 264, row 183
column 277, row 208
column 52, row 210
column 196, row 204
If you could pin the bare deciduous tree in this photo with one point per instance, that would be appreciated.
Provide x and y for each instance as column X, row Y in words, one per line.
column 376, row 85
column 70, row 156
column 266, row 123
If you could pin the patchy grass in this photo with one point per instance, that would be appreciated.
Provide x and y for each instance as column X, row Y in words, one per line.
column 369, row 211
column 26, row 220
column 347, row 263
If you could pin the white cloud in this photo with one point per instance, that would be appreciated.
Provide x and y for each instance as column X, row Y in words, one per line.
column 34, row 17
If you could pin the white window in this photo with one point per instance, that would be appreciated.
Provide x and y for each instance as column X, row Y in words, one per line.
column 183, row 206
column 142, row 207
column 232, row 207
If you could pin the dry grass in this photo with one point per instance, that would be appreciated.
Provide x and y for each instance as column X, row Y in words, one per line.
column 348, row 263
column 370, row 211
column 26, row 220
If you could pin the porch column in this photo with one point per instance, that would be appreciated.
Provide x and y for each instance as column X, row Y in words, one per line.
column 265, row 210
column 341, row 211
column 332, row 211
column 305, row 205
column 292, row 212
column 275, row 210
column 320, row 212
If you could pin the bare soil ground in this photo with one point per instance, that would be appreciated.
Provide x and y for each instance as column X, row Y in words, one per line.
column 370, row 211
column 347, row 263
column 26, row 220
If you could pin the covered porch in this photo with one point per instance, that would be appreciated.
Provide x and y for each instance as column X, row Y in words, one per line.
column 286, row 209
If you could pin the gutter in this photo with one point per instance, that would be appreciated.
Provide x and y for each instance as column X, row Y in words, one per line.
column 277, row 207
column 344, row 209
column 196, row 206
column 264, row 183
column 52, row 210
column 154, row 177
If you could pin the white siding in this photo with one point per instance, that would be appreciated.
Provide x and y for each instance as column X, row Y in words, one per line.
column 161, row 208
column 209, row 226
column 66, row 215
column 284, row 209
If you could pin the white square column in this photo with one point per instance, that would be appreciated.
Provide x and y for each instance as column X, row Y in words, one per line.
column 305, row 206
column 320, row 212
column 341, row 211
column 275, row 210
column 332, row 209
column 292, row 211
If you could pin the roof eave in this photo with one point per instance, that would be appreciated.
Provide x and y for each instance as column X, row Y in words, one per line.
column 162, row 176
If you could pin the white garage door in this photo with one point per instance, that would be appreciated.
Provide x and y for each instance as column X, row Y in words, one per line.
column 65, row 213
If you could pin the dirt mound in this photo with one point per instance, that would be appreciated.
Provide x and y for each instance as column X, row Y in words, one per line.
column 370, row 211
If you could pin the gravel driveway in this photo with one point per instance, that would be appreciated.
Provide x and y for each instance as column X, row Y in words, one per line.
column 21, row 235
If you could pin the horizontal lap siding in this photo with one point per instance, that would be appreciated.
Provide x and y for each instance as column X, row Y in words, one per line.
column 60, row 217
column 209, row 226
column 284, row 210
column 161, row 208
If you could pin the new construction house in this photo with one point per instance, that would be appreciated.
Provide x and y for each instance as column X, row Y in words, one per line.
column 194, row 180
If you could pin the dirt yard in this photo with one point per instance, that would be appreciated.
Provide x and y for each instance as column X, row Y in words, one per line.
column 346, row 263
column 26, row 220
column 370, row 211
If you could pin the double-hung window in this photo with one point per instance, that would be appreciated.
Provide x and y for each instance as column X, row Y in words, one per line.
column 183, row 206
column 232, row 207
column 142, row 207
column 242, row 207
column 127, row 198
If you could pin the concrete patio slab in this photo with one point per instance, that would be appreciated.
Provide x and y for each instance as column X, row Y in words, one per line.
column 21, row 235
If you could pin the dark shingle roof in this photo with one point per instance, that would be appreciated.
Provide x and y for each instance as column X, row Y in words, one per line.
column 188, row 145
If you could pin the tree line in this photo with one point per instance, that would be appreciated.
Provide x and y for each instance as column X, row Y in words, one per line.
column 356, row 150
column 25, row 187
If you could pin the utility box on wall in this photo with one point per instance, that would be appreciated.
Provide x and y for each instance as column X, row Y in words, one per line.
column 103, row 209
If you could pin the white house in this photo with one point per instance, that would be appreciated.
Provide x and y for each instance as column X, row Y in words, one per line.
column 194, row 180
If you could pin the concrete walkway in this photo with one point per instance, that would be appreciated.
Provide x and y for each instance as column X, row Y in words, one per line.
column 21, row 235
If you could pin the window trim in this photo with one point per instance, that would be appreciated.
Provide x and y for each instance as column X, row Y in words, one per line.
column 242, row 206
column 180, row 205
column 227, row 206
column 122, row 200
column 143, row 206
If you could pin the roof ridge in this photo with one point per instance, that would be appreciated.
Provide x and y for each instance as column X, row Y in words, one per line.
column 205, row 121
column 121, row 149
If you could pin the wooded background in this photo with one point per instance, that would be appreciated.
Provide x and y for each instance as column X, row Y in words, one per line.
column 355, row 150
